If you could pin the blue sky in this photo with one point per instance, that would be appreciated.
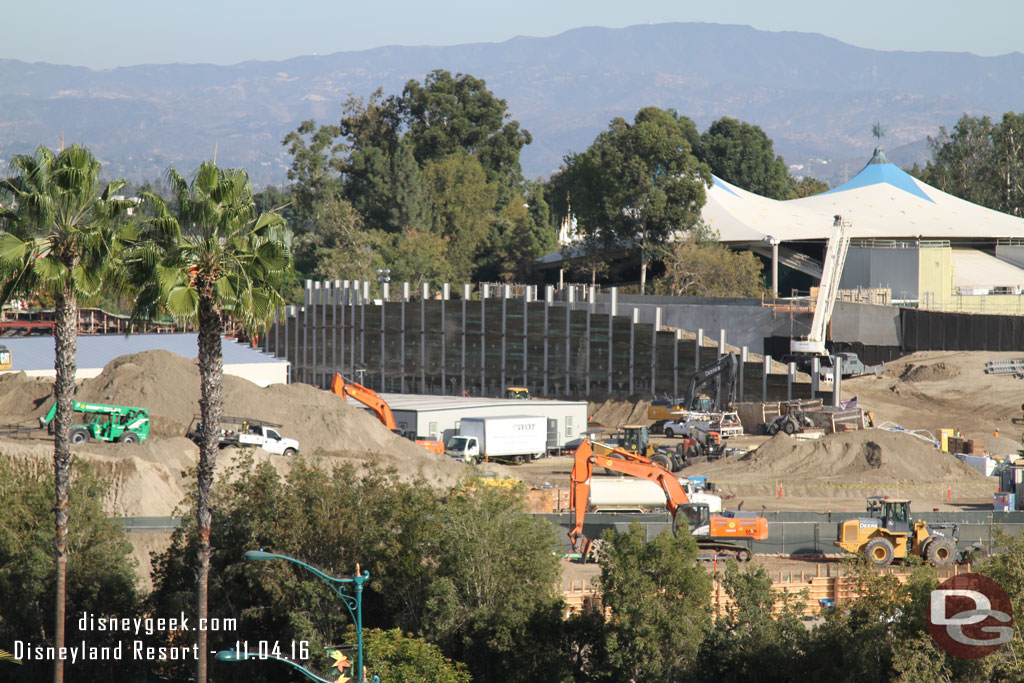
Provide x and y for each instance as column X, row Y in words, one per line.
column 104, row 33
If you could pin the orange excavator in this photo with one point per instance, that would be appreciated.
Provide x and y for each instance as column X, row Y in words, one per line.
column 346, row 388
column 712, row 532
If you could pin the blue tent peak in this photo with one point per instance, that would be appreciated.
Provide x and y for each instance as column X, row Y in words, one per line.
column 879, row 170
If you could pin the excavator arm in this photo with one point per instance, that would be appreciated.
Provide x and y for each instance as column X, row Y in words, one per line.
column 727, row 364
column 368, row 397
column 718, row 526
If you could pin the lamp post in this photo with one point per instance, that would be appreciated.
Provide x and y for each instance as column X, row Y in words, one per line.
column 353, row 603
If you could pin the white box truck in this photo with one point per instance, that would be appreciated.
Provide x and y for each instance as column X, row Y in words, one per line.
column 517, row 439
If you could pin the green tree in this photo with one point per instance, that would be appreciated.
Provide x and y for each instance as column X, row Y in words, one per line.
column 400, row 658
column 638, row 183
column 658, row 596
column 209, row 257
column 742, row 154
column 752, row 641
column 314, row 171
column 963, row 162
column 421, row 256
column 103, row 580
column 806, row 187
column 699, row 265
column 462, row 206
column 60, row 238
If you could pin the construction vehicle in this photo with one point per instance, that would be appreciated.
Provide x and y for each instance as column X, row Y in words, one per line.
column 701, row 395
column 516, row 439
column 719, row 533
column 519, row 393
column 5, row 358
column 890, row 533
column 242, row 432
column 124, row 424
column 791, row 423
column 636, row 440
column 832, row 271
column 346, row 388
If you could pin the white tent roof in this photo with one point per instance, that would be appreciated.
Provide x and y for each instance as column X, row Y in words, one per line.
column 882, row 201
column 975, row 269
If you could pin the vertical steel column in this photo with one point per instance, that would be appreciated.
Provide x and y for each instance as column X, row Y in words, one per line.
column 837, row 381
column 790, row 376
column 698, row 342
column 654, row 348
column 815, row 369
column 384, row 292
column 446, row 291
column 526, row 317
column 549, row 293
column 632, row 346
column 424, row 293
column 314, row 300
column 764, row 377
column 364, row 295
column 721, row 343
column 324, row 363
column 675, row 363
column 570, row 299
column 352, row 296
column 506, row 290
column 744, row 352
column 405, row 300
column 591, row 295
column 465, row 300
column 335, row 295
column 484, row 291
column 613, row 310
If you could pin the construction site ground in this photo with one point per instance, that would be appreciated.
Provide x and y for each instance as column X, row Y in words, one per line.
column 927, row 390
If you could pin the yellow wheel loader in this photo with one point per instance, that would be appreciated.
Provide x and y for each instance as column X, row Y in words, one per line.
column 889, row 533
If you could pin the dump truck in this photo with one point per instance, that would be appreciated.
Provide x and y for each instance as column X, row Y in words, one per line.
column 514, row 438
column 890, row 533
column 125, row 424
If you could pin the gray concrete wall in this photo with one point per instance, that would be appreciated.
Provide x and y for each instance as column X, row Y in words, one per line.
column 866, row 323
column 1014, row 254
column 871, row 267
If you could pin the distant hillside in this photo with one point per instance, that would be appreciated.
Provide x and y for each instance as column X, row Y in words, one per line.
column 815, row 96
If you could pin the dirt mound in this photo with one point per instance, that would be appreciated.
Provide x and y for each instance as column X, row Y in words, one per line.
column 869, row 456
column 168, row 385
column 23, row 398
column 615, row 412
column 932, row 372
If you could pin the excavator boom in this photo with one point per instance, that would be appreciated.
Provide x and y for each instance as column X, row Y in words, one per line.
column 711, row 526
column 368, row 397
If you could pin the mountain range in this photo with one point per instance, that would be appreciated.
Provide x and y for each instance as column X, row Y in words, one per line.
column 815, row 96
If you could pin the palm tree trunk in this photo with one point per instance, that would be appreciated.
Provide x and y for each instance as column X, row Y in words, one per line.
column 211, row 373
column 65, row 336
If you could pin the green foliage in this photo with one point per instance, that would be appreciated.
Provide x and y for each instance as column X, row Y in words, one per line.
column 742, row 154
column 101, row 571
column 436, row 169
column 401, row 658
column 751, row 641
column 468, row 570
column 638, row 183
column 806, row 187
column 981, row 161
column 658, row 596
column 699, row 265
column 210, row 243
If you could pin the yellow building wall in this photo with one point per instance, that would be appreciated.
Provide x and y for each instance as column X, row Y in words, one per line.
column 936, row 291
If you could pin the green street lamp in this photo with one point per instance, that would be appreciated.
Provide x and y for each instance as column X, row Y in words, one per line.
column 353, row 602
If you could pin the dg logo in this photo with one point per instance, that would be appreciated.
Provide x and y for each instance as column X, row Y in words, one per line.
column 970, row 616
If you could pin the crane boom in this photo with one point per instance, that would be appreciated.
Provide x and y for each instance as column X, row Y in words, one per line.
column 828, row 289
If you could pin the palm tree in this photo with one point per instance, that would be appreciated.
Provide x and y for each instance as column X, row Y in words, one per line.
column 205, row 257
column 60, row 237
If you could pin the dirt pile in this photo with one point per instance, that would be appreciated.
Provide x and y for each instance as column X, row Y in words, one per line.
column 931, row 372
column 616, row 412
column 847, row 465
column 23, row 398
column 168, row 385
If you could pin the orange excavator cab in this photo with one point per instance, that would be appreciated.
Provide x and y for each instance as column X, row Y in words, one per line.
column 712, row 532
column 368, row 397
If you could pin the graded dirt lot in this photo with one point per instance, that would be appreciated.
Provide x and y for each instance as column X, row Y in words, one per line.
column 924, row 391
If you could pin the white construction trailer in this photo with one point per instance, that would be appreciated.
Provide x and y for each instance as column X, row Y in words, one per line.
column 439, row 417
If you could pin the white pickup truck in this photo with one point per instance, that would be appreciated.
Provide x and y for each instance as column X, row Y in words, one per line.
column 243, row 432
